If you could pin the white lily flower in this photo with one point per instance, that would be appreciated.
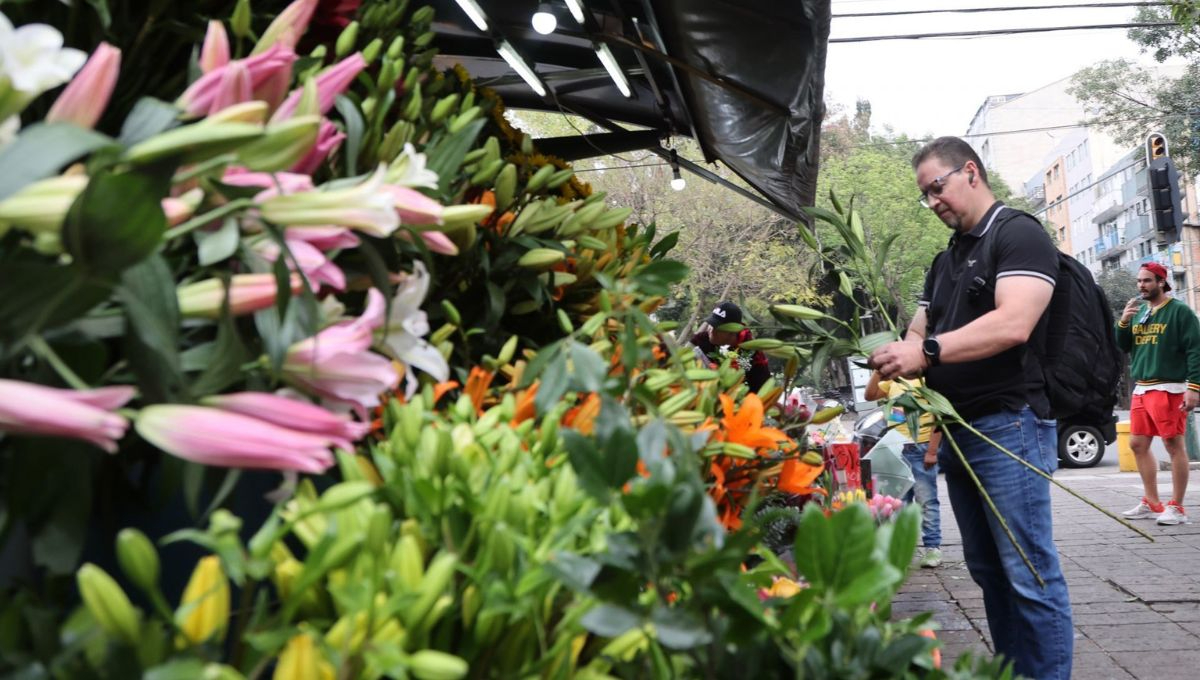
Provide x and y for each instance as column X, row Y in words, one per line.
column 32, row 60
column 408, row 170
column 405, row 330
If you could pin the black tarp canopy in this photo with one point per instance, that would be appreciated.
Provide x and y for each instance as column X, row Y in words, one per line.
column 744, row 78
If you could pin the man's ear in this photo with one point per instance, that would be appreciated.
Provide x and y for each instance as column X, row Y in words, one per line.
column 971, row 178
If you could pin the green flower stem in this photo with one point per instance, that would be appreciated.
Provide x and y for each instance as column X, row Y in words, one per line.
column 47, row 353
column 1055, row 482
column 995, row 511
column 208, row 217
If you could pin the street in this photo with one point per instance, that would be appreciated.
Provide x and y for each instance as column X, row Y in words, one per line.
column 1136, row 603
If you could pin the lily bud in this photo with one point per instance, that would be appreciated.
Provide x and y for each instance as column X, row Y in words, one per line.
column 204, row 609
column 138, row 559
column 430, row 664
column 193, row 143
column 284, row 144
column 247, row 293
column 288, row 27
column 85, row 98
column 239, row 21
column 302, row 660
column 214, row 53
column 367, row 207
column 42, row 206
column 456, row 217
column 107, row 603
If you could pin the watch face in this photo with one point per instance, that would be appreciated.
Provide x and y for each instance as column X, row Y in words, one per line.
column 931, row 347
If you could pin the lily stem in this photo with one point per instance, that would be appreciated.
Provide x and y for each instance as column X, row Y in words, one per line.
column 47, row 353
column 202, row 220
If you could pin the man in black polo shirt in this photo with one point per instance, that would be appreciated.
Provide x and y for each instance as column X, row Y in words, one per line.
column 980, row 308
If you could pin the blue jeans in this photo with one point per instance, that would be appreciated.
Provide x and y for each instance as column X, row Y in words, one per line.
column 1030, row 624
column 925, row 493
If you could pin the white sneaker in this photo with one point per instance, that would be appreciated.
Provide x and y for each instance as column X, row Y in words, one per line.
column 1173, row 514
column 1143, row 510
column 932, row 558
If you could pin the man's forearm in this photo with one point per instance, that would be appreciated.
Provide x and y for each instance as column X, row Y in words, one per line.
column 984, row 337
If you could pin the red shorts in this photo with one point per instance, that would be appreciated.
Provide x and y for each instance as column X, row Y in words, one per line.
column 1156, row 414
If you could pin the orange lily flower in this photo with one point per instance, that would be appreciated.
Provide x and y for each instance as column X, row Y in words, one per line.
column 583, row 417
column 525, row 407
column 440, row 389
column 477, row 385
column 797, row 476
column 744, row 426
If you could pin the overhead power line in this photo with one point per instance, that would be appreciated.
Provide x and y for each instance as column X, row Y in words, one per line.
column 1001, row 31
column 976, row 10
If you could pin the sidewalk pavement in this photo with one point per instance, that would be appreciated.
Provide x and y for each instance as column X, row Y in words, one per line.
column 1136, row 603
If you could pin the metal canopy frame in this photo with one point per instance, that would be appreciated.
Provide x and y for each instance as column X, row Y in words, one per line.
column 745, row 79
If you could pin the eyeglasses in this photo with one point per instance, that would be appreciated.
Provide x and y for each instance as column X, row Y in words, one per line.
column 937, row 186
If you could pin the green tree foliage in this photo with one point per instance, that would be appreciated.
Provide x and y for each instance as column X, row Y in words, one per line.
column 1119, row 286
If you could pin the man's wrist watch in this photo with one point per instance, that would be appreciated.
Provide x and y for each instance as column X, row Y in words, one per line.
column 932, row 347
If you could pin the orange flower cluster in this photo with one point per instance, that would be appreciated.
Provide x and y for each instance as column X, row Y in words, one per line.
column 734, row 478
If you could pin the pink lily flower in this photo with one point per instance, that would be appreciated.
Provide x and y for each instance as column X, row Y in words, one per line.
column 329, row 138
column 198, row 98
column 271, row 182
column 414, row 207
column 178, row 209
column 337, row 363
column 324, row 238
column 435, row 241
column 367, row 207
column 86, row 96
column 26, row 408
column 247, row 293
column 234, row 88
column 214, row 53
column 292, row 414
column 330, row 83
column 288, row 27
column 312, row 263
column 213, row 436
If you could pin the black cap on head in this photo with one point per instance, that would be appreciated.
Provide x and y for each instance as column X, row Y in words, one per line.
column 726, row 312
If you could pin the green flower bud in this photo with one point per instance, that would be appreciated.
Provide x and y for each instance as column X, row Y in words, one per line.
column 240, row 20
column 347, row 40
column 372, row 50
column 138, row 558
column 107, row 603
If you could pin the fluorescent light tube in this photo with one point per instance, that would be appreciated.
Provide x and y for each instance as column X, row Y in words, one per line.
column 474, row 13
column 576, row 8
column 518, row 64
column 614, row 70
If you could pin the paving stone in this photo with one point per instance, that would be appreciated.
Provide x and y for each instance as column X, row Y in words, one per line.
column 1159, row 665
column 1097, row 666
column 1121, row 637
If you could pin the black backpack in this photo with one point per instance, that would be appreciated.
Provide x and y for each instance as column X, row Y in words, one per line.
column 1074, row 342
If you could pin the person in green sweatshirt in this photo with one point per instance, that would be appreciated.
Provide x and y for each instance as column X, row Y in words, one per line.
column 1162, row 336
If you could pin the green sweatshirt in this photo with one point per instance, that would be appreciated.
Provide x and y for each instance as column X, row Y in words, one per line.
column 1164, row 344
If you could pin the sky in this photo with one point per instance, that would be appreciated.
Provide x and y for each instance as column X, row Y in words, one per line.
column 935, row 85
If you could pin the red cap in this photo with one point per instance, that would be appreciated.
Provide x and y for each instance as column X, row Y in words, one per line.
column 1159, row 271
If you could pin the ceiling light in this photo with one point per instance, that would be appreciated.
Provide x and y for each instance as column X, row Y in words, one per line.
column 544, row 21
column 518, row 64
column 474, row 13
column 677, row 181
column 576, row 8
column 614, row 69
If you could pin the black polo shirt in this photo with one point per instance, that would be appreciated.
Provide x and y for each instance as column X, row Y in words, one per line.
column 1012, row 378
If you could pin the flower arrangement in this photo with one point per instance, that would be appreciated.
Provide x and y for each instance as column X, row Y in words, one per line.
column 317, row 256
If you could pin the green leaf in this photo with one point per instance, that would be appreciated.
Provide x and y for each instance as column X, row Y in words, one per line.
column 869, row 343
column 588, row 368
column 554, row 381
column 152, row 331
column 102, row 12
column 42, row 150
column 814, row 547
column 679, row 629
column 664, row 245
column 574, row 571
column 179, row 669
column 586, row 461
column 903, row 541
column 609, row 620
column 229, row 355
column 36, row 296
column 657, row 277
column 447, row 156
column 354, row 131
column 149, row 117
column 118, row 220
column 219, row 245
column 872, row 584
column 855, row 529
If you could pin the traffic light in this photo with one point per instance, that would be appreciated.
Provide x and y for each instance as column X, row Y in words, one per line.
column 1164, row 194
column 1156, row 146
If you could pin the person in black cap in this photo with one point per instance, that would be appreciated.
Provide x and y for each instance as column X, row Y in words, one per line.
column 711, row 337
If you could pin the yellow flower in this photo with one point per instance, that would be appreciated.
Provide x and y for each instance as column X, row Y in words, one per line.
column 301, row 660
column 204, row 611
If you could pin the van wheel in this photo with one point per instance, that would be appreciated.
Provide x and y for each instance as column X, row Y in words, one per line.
column 1080, row 446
